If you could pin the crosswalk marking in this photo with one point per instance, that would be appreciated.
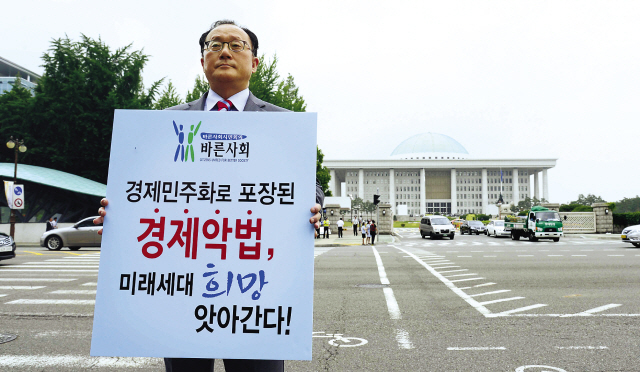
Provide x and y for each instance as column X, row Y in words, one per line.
column 21, row 287
column 51, row 302
column 75, row 291
column 36, row 280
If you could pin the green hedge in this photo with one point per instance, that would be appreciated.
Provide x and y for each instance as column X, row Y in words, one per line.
column 626, row 219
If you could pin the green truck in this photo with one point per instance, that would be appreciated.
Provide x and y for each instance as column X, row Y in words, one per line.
column 541, row 223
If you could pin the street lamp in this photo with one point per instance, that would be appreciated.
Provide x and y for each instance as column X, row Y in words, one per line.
column 19, row 146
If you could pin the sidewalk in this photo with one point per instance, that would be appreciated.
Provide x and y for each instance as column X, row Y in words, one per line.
column 348, row 239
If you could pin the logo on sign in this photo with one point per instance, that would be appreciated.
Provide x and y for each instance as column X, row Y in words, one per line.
column 17, row 190
column 183, row 153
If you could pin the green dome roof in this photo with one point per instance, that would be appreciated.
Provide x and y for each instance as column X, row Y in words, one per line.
column 428, row 143
column 53, row 178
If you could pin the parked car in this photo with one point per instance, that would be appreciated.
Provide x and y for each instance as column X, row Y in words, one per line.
column 495, row 228
column 436, row 227
column 7, row 247
column 82, row 234
column 631, row 235
column 472, row 227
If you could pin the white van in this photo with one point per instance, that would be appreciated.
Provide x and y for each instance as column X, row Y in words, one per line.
column 436, row 227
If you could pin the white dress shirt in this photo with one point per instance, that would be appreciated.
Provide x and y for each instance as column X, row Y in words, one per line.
column 239, row 99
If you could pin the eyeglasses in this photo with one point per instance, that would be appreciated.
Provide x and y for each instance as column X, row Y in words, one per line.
column 216, row 46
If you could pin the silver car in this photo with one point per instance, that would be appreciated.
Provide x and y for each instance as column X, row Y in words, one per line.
column 631, row 235
column 495, row 228
column 7, row 247
column 82, row 234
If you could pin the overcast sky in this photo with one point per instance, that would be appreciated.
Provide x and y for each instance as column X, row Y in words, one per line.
column 506, row 79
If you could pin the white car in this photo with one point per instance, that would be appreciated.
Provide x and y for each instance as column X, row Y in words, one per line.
column 631, row 235
column 82, row 234
column 495, row 228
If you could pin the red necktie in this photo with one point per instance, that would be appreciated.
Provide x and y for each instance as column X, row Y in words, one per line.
column 224, row 105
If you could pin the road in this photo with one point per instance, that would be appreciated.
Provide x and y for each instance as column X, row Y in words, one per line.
column 471, row 304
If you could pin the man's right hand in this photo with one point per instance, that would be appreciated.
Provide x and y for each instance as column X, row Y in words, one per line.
column 104, row 202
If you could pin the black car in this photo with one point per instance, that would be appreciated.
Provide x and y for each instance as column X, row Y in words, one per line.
column 472, row 227
column 7, row 247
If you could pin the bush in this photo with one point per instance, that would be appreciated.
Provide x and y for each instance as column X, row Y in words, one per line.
column 483, row 217
column 626, row 219
column 523, row 213
column 583, row 208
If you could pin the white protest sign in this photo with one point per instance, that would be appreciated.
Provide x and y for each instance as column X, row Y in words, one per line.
column 207, row 251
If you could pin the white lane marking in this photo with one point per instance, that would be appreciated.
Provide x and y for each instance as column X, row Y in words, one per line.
column 518, row 310
column 476, row 348
column 489, row 256
column 35, row 280
column 452, row 271
column 438, row 264
column 501, row 300
column 75, row 291
column 615, row 255
column 490, row 293
column 91, row 284
column 21, row 287
column 51, row 302
column 581, row 347
column 402, row 337
column 555, row 255
column 392, row 304
column 75, row 362
column 578, row 255
column 445, row 267
column 465, row 256
column 2, row 295
column 465, row 280
column 593, row 311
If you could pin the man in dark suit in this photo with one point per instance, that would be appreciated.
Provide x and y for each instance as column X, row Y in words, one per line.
column 229, row 57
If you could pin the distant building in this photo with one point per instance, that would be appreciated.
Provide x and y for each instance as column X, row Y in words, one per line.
column 8, row 73
column 433, row 173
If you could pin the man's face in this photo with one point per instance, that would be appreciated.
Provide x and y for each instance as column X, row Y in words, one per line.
column 225, row 70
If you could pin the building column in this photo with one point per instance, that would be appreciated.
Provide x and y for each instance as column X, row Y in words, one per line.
column 536, row 185
column 332, row 183
column 454, row 195
column 515, row 181
column 392, row 190
column 485, row 196
column 545, row 185
column 423, row 188
column 361, row 183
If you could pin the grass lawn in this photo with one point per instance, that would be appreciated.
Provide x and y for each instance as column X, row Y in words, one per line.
column 406, row 224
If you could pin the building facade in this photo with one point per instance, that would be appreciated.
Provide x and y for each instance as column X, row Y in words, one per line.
column 8, row 73
column 433, row 173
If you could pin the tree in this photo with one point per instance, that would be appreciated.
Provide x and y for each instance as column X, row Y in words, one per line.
column 168, row 98
column 627, row 205
column 14, row 108
column 71, row 116
column 322, row 173
column 199, row 88
column 588, row 200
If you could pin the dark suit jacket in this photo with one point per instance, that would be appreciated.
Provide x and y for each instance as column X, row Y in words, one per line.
column 253, row 104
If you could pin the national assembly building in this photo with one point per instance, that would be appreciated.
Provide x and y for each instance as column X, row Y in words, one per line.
column 433, row 173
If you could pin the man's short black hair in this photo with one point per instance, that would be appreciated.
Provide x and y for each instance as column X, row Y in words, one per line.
column 252, row 36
